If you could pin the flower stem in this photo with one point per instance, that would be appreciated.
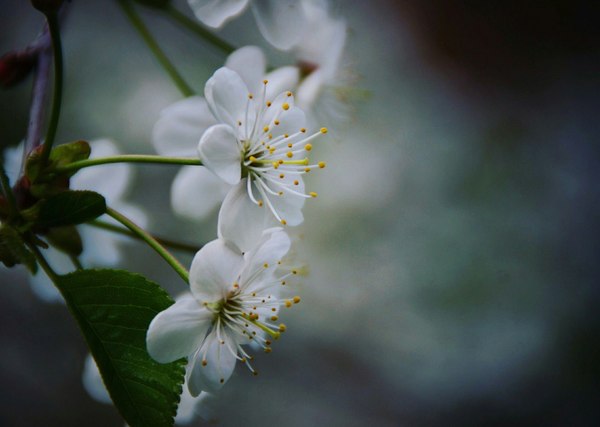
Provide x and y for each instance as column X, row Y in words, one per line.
column 129, row 158
column 152, row 242
column 139, row 25
column 165, row 242
column 199, row 30
column 52, row 20
column 43, row 263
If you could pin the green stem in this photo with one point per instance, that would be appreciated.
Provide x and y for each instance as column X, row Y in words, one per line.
column 151, row 241
column 129, row 158
column 199, row 30
column 165, row 242
column 52, row 20
column 76, row 263
column 139, row 25
column 13, row 210
column 42, row 261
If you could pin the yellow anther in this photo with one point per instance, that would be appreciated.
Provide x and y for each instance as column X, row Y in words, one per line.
column 285, row 135
column 274, row 318
column 275, row 165
column 266, row 129
column 283, row 282
column 288, row 303
column 239, row 123
column 276, row 122
column 303, row 130
column 266, row 265
column 269, row 103
column 294, row 271
column 252, row 159
column 290, row 145
column 255, row 373
column 296, row 182
column 260, row 203
column 280, row 193
column 285, row 106
column 268, row 342
column 313, row 194
column 324, row 130
column 272, row 150
column 284, row 222
column 280, row 161
column 308, row 147
column 273, row 309
column 282, row 327
column 322, row 164
column 265, row 81
column 281, row 176
column 289, row 94
column 204, row 362
column 268, row 349
column 289, row 154
column 270, row 136
column 307, row 170
column 296, row 299
column 250, row 96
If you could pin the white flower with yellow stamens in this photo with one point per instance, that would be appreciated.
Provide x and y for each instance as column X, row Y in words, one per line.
column 235, row 300
column 261, row 147
column 181, row 125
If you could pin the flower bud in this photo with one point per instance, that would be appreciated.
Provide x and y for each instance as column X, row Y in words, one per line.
column 46, row 6
column 15, row 66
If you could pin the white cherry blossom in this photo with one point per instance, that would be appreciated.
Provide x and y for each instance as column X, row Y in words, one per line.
column 235, row 300
column 195, row 192
column 281, row 22
column 261, row 147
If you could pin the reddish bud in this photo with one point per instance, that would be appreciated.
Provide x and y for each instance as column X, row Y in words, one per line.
column 15, row 66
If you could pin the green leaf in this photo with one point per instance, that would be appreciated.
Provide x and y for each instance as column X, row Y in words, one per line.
column 113, row 309
column 66, row 239
column 70, row 208
column 13, row 250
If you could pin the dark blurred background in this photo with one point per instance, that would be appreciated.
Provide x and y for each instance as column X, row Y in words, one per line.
column 454, row 258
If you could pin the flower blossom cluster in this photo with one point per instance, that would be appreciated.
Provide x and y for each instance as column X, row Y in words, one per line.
column 254, row 133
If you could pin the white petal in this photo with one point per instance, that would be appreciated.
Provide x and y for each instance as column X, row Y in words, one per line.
column 196, row 192
column 178, row 331
column 309, row 89
column 250, row 63
column 41, row 285
column 227, row 96
column 241, row 221
column 215, row 13
column 180, row 126
column 92, row 381
column 110, row 180
column 270, row 249
column 13, row 159
column 289, row 205
column 214, row 270
column 219, row 151
column 282, row 79
column 281, row 22
column 220, row 364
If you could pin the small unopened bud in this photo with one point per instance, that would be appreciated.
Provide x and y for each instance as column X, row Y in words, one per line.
column 15, row 66
column 47, row 5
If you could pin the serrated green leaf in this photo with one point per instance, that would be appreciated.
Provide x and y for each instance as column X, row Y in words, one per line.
column 70, row 208
column 13, row 250
column 113, row 309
